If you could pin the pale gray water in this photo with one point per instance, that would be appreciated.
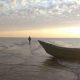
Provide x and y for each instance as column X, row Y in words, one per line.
column 19, row 61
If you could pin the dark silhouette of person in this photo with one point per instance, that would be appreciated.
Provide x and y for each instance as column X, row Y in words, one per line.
column 29, row 39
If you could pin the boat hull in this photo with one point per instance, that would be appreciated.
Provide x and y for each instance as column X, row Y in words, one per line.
column 61, row 52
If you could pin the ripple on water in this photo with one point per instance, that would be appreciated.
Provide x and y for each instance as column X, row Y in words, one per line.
column 10, row 58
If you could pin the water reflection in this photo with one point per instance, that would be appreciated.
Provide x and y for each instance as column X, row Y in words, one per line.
column 52, row 62
column 68, row 65
column 60, row 63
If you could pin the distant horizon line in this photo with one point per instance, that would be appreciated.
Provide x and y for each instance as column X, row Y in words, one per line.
column 37, row 37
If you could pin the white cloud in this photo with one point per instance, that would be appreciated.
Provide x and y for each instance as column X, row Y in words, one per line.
column 47, row 4
column 48, row 7
column 39, row 12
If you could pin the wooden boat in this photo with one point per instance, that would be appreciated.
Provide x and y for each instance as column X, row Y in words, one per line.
column 61, row 52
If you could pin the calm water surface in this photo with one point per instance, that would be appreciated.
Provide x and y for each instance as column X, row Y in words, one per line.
column 37, row 65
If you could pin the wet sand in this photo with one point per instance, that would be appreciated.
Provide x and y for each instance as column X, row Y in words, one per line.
column 22, row 61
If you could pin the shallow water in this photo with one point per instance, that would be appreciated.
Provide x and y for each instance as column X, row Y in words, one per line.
column 21, row 61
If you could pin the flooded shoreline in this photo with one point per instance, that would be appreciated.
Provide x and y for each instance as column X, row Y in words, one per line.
column 22, row 61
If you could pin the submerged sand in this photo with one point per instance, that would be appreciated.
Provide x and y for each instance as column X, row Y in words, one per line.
column 22, row 61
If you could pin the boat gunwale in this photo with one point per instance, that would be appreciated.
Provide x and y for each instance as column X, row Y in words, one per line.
column 59, row 46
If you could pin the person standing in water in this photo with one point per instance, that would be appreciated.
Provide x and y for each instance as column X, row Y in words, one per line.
column 29, row 39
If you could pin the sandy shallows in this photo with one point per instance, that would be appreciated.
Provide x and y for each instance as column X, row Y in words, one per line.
column 30, row 62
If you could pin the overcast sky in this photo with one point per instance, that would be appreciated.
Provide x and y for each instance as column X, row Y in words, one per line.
column 34, row 14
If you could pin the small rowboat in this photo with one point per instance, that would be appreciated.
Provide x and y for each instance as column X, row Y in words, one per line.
column 61, row 52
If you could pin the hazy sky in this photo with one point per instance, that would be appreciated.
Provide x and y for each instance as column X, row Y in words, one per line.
column 40, row 18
